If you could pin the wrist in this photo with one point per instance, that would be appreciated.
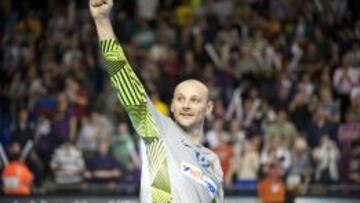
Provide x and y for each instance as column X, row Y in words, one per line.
column 102, row 21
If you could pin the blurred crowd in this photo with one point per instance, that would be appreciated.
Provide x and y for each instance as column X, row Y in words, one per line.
column 284, row 76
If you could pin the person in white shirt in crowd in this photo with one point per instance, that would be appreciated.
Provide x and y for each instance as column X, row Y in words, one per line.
column 212, row 136
column 345, row 79
column 89, row 135
column 326, row 156
column 276, row 151
column 67, row 164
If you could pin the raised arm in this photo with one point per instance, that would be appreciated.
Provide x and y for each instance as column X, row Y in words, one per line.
column 132, row 96
column 131, row 92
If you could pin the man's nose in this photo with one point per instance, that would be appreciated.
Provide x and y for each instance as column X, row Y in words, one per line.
column 186, row 105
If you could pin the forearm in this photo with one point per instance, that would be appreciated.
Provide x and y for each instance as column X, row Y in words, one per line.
column 104, row 28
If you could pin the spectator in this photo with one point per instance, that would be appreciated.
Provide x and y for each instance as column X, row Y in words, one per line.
column 45, row 106
column 244, row 166
column 247, row 64
column 44, row 143
column 320, row 125
column 17, row 178
column 219, row 110
column 159, row 104
column 124, row 148
column 67, row 164
column 355, row 106
column 347, row 133
column 35, row 88
column 24, row 135
column 23, row 130
column 275, row 151
column 102, row 122
column 147, row 9
column 327, row 101
column 185, row 14
column 77, row 96
column 16, row 93
column 298, row 175
column 281, row 127
column 89, row 135
column 283, row 89
column 306, row 86
column 144, row 36
column 299, row 112
column 266, row 115
column 102, row 166
column 326, row 156
column 237, row 136
column 63, row 124
column 223, row 149
column 213, row 136
column 271, row 189
column 30, row 25
column 354, row 163
column 345, row 79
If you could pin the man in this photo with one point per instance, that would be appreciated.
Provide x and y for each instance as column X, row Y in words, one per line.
column 67, row 164
column 271, row 189
column 176, row 168
column 102, row 166
column 17, row 178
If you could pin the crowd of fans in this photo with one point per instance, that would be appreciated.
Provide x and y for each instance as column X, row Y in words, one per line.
column 284, row 76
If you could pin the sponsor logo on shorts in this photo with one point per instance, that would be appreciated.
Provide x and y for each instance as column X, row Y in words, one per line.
column 197, row 175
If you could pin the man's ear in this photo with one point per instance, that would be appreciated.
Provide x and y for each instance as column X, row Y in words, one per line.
column 209, row 108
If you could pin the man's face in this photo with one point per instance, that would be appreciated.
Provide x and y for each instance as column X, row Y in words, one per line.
column 282, row 117
column 190, row 104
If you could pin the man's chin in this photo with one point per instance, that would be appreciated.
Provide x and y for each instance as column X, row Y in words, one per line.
column 186, row 126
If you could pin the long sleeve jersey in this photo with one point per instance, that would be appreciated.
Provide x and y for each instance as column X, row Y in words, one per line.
column 174, row 169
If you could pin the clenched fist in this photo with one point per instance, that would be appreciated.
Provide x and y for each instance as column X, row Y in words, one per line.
column 100, row 8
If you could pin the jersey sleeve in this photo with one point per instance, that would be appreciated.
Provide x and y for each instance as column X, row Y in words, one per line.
column 145, row 120
column 130, row 91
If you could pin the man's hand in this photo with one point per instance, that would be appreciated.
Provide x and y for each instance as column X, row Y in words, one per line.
column 100, row 9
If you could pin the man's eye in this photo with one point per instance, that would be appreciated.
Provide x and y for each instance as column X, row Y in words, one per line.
column 195, row 100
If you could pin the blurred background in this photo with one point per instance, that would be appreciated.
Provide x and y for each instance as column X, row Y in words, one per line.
column 284, row 76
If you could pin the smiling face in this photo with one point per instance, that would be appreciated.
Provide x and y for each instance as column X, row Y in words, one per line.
column 191, row 104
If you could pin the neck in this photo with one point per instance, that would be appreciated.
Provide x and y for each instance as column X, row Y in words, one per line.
column 194, row 133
